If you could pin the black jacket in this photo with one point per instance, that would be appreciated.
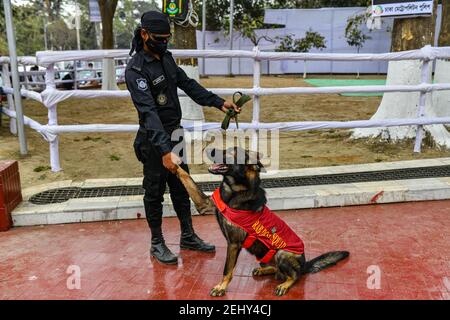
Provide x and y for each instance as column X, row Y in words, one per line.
column 153, row 87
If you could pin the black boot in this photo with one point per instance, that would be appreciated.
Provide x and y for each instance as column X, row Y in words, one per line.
column 162, row 253
column 158, row 249
column 189, row 240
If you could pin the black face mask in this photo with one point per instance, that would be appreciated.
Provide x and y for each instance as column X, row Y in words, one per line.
column 156, row 46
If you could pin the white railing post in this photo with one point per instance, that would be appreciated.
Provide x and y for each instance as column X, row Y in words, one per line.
column 422, row 102
column 256, row 102
column 25, row 77
column 75, row 85
column 11, row 105
column 203, row 35
column 304, row 69
column 52, row 119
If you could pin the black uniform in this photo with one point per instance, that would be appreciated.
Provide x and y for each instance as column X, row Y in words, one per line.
column 153, row 86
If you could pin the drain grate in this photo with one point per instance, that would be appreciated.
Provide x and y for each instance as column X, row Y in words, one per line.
column 55, row 195
column 64, row 194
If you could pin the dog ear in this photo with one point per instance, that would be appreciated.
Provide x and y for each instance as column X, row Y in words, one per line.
column 261, row 167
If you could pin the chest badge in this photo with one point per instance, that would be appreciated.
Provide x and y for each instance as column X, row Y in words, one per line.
column 161, row 99
column 142, row 84
column 158, row 80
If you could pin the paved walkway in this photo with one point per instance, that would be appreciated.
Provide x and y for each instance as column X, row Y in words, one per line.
column 408, row 242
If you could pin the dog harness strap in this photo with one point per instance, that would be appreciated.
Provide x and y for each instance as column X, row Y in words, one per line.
column 248, row 241
column 218, row 200
column 269, row 255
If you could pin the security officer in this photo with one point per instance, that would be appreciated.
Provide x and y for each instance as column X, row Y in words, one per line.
column 152, row 77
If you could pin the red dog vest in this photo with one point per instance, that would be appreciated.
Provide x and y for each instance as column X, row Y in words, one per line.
column 264, row 225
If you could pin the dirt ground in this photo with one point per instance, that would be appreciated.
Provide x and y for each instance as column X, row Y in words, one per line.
column 110, row 155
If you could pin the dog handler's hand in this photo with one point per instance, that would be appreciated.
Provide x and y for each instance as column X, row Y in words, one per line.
column 171, row 161
column 230, row 105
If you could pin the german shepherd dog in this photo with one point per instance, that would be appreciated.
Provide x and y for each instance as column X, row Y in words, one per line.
column 241, row 189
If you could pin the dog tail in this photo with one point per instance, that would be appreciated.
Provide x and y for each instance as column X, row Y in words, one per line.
column 325, row 260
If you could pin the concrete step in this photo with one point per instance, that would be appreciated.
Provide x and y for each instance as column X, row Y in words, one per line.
column 131, row 207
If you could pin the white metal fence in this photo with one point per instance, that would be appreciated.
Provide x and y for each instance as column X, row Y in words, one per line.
column 50, row 97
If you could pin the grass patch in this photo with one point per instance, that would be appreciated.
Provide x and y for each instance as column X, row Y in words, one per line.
column 88, row 138
column 113, row 157
column 41, row 168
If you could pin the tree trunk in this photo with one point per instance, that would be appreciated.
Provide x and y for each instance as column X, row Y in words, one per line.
column 444, row 36
column 414, row 33
column 186, row 38
column 107, row 11
column 407, row 34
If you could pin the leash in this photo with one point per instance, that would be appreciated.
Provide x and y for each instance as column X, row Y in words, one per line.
column 231, row 113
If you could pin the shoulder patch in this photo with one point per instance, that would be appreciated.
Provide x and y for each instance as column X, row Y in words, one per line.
column 142, row 84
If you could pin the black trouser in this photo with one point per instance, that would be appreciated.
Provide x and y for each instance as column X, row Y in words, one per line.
column 156, row 176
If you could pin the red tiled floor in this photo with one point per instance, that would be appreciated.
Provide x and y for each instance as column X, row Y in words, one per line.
column 409, row 242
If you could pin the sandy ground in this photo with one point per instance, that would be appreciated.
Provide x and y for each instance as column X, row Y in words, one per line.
column 110, row 155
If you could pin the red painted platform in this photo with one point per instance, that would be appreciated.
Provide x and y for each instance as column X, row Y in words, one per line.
column 409, row 242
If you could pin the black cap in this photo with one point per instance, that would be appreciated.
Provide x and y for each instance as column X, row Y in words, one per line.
column 155, row 22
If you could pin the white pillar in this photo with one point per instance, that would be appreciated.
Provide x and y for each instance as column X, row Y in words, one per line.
column 11, row 106
column 52, row 120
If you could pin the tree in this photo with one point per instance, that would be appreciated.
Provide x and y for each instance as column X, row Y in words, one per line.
column 249, row 27
column 62, row 38
column 128, row 16
column 311, row 40
column 353, row 33
column 28, row 27
column 53, row 8
column 107, row 11
column 124, row 23
column 88, row 35
column 413, row 33
column 218, row 12
column 246, row 11
column 408, row 34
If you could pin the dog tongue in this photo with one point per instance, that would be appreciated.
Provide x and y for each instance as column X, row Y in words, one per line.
column 217, row 166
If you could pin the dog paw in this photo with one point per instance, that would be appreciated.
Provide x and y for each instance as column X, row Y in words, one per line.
column 217, row 291
column 281, row 290
column 258, row 272
column 264, row 271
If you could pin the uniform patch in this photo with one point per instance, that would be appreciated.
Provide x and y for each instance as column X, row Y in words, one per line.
column 158, row 80
column 161, row 99
column 142, row 84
